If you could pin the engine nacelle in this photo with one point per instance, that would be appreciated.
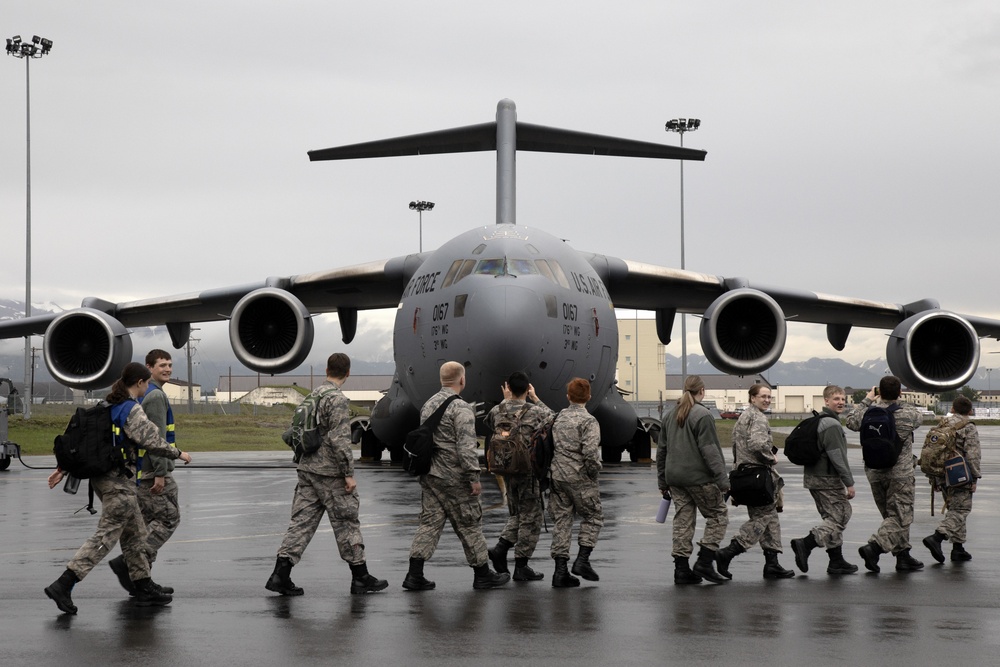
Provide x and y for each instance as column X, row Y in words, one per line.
column 86, row 348
column 933, row 351
column 743, row 332
column 271, row 331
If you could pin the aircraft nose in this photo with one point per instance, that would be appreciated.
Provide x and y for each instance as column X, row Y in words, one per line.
column 511, row 322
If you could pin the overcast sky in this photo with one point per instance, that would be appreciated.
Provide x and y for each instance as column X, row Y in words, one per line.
column 852, row 146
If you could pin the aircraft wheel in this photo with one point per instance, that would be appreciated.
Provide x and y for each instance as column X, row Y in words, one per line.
column 4, row 463
column 396, row 455
column 612, row 454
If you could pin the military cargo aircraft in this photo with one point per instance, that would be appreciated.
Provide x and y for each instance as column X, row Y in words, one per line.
column 505, row 297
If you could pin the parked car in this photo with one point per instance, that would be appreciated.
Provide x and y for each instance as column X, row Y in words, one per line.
column 730, row 414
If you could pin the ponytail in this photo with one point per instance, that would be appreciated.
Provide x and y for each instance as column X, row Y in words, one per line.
column 692, row 386
column 132, row 374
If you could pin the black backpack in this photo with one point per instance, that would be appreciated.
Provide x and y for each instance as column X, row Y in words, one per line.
column 419, row 446
column 802, row 444
column 880, row 443
column 87, row 448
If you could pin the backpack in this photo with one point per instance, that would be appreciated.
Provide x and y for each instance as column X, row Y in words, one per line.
column 802, row 444
column 939, row 446
column 509, row 453
column 880, row 443
column 541, row 449
column 419, row 446
column 88, row 448
column 303, row 436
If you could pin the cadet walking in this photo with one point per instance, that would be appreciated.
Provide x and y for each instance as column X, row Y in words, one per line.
column 691, row 469
column 576, row 462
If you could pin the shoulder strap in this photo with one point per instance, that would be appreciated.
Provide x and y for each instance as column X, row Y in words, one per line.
column 435, row 418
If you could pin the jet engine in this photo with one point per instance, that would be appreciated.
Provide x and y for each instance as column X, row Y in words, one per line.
column 743, row 332
column 933, row 351
column 86, row 348
column 271, row 331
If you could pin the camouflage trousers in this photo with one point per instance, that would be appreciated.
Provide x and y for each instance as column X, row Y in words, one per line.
column 160, row 512
column 707, row 499
column 314, row 496
column 894, row 500
column 121, row 520
column 525, row 522
column 762, row 526
column 566, row 499
column 835, row 510
column 959, row 500
column 443, row 500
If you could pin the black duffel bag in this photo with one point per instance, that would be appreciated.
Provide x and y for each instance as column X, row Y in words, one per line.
column 751, row 484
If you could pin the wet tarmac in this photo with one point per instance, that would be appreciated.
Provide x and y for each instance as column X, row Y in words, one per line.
column 233, row 520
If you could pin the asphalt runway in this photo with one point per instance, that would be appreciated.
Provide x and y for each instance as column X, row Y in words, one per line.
column 233, row 520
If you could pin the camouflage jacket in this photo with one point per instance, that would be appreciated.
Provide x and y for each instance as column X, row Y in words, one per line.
column 455, row 459
column 907, row 420
column 577, row 438
column 752, row 440
column 334, row 458
column 967, row 444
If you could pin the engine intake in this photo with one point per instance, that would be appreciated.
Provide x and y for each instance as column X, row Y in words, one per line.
column 86, row 348
column 271, row 331
column 933, row 351
column 743, row 332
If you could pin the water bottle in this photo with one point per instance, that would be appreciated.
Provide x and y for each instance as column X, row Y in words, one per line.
column 72, row 484
column 661, row 515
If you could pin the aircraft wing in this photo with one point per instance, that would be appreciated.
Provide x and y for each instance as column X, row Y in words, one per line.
column 376, row 284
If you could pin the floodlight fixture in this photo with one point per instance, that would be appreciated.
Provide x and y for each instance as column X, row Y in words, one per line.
column 420, row 206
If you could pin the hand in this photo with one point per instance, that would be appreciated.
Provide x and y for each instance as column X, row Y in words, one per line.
column 665, row 493
column 506, row 391
column 185, row 457
column 872, row 393
column 850, row 492
column 158, row 484
column 531, row 393
column 55, row 478
column 477, row 488
column 350, row 484
column 973, row 487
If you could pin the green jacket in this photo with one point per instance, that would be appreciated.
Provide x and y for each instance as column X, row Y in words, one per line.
column 690, row 455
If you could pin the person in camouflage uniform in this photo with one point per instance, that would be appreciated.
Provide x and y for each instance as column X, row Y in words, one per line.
column 121, row 518
column 451, row 490
column 576, row 462
column 156, row 488
column 752, row 443
column 831, row 485
column 958, row 499
column 691, row 469
column 893, row 487
column 326, row 484
column 523, row 494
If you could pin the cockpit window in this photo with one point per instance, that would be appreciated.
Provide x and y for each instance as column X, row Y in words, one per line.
column 452, row 270
column 466, row 269
column 532, row 249
column 550, row 269
column 521, row 267
column 490, row 267
column 479, row 249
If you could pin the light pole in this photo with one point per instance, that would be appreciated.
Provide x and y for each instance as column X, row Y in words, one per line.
column 36, row 48
column 680, row 126
column 420, row 207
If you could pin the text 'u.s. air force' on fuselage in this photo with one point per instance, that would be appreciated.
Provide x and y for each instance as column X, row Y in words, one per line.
column 505, row 297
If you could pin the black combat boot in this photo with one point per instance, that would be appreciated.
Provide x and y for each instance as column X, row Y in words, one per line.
column 522, row 572
column 59, row 591
column 959, row 554
column 801, row 549
column 870, row 553
column 907, row 563
column 120, row 568
column 725, row 555
column 486, row 578
column 148, row 594
column 705, row 566
column 581, row 566
column 561, row 578
column 415, row 580
column 362, row 582
column 281, row 581
column 837, row 563
column 773, row 569
column 498, row 555
column 933, row 544
column 682, row 572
